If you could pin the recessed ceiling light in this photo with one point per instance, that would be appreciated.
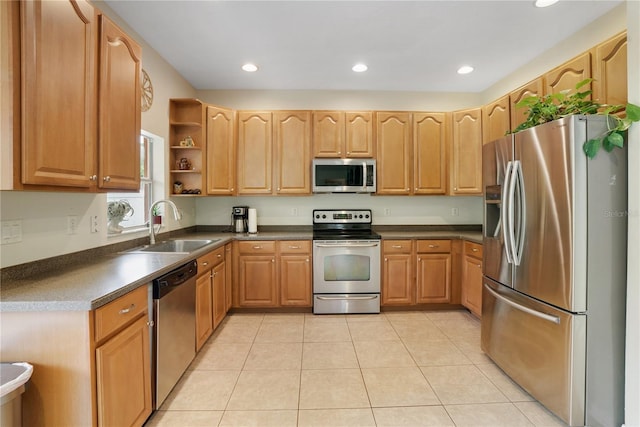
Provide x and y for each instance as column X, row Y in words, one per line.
column 359, row 68
column 250, row 68
column 465, row 69
column 545, row 3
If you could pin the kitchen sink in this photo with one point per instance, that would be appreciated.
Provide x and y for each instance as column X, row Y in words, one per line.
column 172, row 246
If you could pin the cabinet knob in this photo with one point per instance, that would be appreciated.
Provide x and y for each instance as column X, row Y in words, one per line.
column 219, row 255
column 479, row 265
column 396, row 246
column 93, row 178
column 231, row 188
column 474, row 250
column 204, row 264
column 273, row 260
column 106, row 178
column 257, row 247
column 339, row 152
column 127, row 310
column 278, row 188
column 386, row 259
column 150, row 323
column 348, row 152
column 407, row 188
column 433, row 246
column 294, row 247
column 455, row 188
column 213, row 274
column 307, row 260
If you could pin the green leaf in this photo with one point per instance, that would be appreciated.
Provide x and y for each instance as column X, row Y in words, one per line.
column 607, row 145
column 633, row 112
column 591, row 147
column 615, row 139
column 583, row 83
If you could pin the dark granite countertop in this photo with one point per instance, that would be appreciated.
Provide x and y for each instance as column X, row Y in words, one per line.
column 92, row 281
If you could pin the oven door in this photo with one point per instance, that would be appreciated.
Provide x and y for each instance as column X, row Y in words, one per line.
column 346, row 266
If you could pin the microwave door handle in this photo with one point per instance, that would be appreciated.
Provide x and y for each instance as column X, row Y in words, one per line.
column 364, row 176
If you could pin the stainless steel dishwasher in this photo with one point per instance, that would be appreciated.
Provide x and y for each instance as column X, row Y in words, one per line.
column 174, row 303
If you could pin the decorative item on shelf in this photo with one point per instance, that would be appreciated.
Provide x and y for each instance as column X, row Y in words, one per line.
column 555, row 106
column 156, row 216
column 184, row 164
column 177, row 187
column 191, row 191
column 117, row 211
column 187, row 142
column 147, row 91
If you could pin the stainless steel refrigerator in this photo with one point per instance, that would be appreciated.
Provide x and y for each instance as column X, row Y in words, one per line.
column 554, row 286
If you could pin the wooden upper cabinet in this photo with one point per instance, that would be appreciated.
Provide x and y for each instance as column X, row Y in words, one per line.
column 466, row 152
column 430, row 153
column 496, row 119
column 58, row 93
column 519, row 114
column 255, row 151
column 393, row 130
column 340, row 134
column 610, row 71
column 292, row 136
column 359, row 134
column 328, row 133
column 567, row 75
column 119, row 109
column 221, row 151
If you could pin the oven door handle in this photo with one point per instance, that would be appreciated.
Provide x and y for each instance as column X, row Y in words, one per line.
column 347, row 245
column 346, row 298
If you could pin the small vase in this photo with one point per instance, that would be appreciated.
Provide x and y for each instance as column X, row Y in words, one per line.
column 157, row 219
column 114, row 227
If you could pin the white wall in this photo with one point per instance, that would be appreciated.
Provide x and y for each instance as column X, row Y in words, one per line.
column 405, row 210
column 632, row 395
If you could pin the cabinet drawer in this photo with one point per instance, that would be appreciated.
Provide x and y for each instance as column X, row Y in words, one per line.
column 294, row 246
column 208, row 261
column 120, row 312
column 396, row 246
column 433, row 246
column 473, row 249
column 257, row 247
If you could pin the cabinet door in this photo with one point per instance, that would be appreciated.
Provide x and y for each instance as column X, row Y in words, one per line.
column 397, row 280
column 119, row 107
column 467, row 152
column 59, row 101
column 295, row 280
column 433, row 278
column 519, row 114
column 123, row 371
column 472, row 284
column 204, row 310
column 610, row 71
column 228, row 272
column 257, row 281
column 255, row 146
column 496, row 119
column 429, row 153
column 219, row 282
column 393, row 132
column 359, row 134
column 221, row 151
column 292, row 134
column 566, row 76
column 328, row 133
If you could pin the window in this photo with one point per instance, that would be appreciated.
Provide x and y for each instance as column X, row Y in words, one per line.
column 140, row 201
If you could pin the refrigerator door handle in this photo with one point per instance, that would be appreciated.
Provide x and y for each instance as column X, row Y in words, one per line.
column 506, row 207
column 544, row 316
column 518, row 241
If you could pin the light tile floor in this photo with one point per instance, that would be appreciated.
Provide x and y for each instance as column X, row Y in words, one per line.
column 391, row 369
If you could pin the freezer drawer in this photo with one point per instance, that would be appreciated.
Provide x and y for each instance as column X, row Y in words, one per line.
column 539, row 347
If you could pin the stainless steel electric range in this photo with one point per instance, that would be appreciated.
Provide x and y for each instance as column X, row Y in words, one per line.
column 346, row 262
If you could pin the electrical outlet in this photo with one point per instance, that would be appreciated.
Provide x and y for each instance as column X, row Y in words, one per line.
column 294, row 211
column 455, row 212
column 72, row 224
column 94, row 223
column 11, row 231
column 387, row 211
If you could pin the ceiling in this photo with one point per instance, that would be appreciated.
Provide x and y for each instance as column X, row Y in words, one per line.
column 312, row 45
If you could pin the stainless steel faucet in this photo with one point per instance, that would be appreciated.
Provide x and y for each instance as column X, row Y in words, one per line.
column 176, row 214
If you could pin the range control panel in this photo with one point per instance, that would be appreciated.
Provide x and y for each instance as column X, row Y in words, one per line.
column 339, row 216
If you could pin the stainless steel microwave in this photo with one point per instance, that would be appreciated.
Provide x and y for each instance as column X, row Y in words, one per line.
column 344, row 176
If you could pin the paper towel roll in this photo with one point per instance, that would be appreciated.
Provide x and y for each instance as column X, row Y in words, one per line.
column 253, row 221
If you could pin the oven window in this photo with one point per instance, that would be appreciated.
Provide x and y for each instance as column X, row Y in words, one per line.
column 347, row 267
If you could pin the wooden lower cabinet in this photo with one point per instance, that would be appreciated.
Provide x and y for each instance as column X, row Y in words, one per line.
column 472, row 277
column 123, row 377
column 219, row 301
column 416, row 272
column 273, row 274
column 204, row 309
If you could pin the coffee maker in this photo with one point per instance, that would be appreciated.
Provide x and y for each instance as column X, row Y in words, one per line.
column 239, row 218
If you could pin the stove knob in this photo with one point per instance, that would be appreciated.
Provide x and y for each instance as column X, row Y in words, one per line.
column 360, row 215
column 324, row 216
column 367, row 216
column 317, row 216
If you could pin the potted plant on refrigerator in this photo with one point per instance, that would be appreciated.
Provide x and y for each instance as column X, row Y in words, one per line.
column 557, row 105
